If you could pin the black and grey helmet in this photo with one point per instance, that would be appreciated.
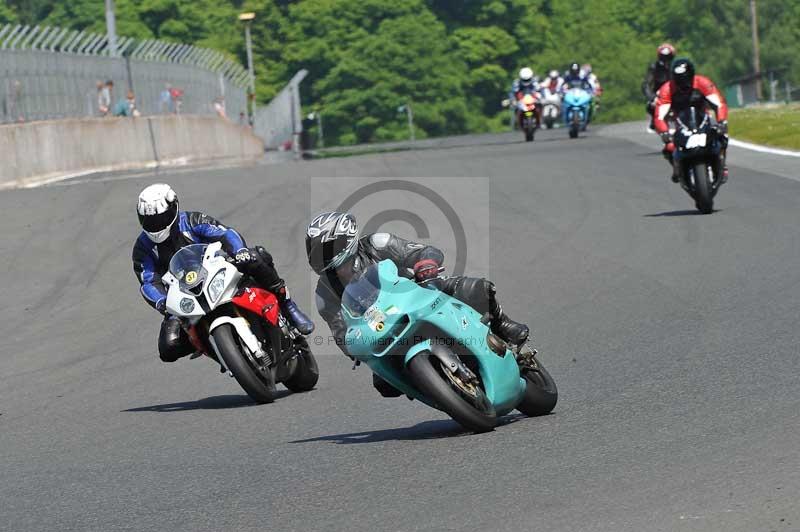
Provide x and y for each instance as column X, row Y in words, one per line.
column 683, row 74
column 331, row 239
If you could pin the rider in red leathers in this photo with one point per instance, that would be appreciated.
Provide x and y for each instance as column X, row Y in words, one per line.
column 686, row 89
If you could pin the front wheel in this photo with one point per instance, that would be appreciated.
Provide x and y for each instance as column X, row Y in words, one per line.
column 573, row 131
column 260, row 386
column 529, row 134
column 702, row 189
column 440, row 389
column 541, row 393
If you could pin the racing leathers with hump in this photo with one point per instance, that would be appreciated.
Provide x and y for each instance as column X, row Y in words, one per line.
column 526, row 83
column 687, row 89
column 339, row 254
column 552, row 83
column 166, row 230
column 658, row 74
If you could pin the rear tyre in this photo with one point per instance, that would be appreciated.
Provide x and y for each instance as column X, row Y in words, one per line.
column 306, row 374
column 260, row 387
column 548, row 122
column 529, row 134
column 435, row 386
column 702, row 189
column 541, row 393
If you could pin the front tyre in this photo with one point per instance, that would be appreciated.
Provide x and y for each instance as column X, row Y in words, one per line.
column 529, row 134
column 260, row 386
column 541, row 393
column 702, row 189
column 306, row 373
column 436, row 386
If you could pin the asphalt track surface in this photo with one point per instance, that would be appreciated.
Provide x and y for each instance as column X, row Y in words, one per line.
column 673, row 337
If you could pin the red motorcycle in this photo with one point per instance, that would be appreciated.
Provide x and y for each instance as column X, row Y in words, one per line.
column 528, row 113
column 237, row 324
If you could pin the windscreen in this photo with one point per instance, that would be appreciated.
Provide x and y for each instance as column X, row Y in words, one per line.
column 187, row 264
column 363, row 292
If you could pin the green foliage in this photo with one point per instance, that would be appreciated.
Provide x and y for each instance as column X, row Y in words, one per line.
column 451, row 60
column 7, row 14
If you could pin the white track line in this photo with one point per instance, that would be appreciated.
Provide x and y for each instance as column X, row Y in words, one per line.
column 763, row 149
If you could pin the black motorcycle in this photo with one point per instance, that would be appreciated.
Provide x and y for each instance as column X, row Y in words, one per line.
column 698, row 145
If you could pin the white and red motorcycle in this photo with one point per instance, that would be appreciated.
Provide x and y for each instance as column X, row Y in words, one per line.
column 239, row 325
column 551, row 109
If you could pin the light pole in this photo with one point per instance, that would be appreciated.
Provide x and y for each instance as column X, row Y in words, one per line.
column 248, row 18
column 316, row 115
column 410, row 114
column 756, row 52
column 111, row 28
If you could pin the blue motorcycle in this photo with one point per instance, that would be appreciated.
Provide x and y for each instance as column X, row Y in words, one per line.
column 435, row 348
column 575, row 108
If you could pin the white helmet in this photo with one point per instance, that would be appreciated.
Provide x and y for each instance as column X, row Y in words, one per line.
column 526, row 74
column 157, row 210
column 553, row 74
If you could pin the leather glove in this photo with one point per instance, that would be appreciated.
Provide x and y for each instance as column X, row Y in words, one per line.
column 722, row 127
column 666, row 138
column 426, row 269
column 244, row 256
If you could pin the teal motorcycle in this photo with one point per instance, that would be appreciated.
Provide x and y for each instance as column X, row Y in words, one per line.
column 435, row 348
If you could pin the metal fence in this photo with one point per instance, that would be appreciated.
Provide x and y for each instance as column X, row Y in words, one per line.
column 775, row 86
column 279, row 123
column 49, row 73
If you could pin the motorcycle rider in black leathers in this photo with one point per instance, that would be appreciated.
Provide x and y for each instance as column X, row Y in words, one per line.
column 658, row 73
column 338, row 253
column 166, row 230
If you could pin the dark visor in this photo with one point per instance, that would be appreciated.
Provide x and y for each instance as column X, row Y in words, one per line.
column 154, row 223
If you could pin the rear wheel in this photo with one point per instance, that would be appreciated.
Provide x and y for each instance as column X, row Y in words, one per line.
column 306, row 374
column 476, row 415
column 548, row 122
column 260, row 386
column 541, row 393
column 702, row 189
column 529, row 134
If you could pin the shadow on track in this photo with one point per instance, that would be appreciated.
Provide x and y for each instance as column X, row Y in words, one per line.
column 427, row 430
column 218, row 402
column 672, row 214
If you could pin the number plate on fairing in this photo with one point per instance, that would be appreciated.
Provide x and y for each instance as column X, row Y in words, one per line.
column 697, row 140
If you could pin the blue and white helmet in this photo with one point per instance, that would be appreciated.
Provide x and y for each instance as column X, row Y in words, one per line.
column 158, row 211
column 331, row 239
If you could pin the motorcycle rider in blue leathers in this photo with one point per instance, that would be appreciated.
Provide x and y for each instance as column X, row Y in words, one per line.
column 574, row 78
column 338, row 253
column 577, row 78
column 166, row 230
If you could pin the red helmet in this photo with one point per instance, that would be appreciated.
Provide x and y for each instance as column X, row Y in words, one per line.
column 666, row 51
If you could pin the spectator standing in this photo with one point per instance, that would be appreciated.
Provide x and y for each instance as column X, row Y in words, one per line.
column 165, row 99
column 104, row 94
column 219, row 107
column 177, row 99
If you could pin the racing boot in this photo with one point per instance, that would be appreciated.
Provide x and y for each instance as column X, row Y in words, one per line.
column 296, row 316
column 509, row 330
column 675, row 175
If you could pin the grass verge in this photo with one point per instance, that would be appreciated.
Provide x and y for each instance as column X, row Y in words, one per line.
column 771, row 126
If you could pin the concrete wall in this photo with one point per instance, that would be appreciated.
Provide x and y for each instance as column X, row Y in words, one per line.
column 37, row 152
